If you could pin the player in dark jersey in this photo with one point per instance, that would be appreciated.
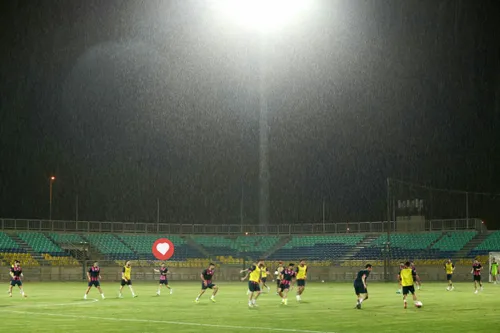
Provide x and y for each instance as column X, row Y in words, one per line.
column 476, row 272
column 16, row 273
column 94, row 278
column 418, row 282
column 360, row 285
column 163, row 278
column 287, row 277
column 279, row 269
column 206, row 278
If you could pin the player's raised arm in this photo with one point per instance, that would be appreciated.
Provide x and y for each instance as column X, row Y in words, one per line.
column 156, row 270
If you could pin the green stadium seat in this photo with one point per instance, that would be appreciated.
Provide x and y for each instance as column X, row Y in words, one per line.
column 40, row 243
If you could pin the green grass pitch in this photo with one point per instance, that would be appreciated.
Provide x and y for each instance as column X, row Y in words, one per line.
column 326, row 307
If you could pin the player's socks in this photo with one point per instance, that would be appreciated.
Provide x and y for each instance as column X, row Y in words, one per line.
column 212, row 298
column 171, row 291
column 286, row 301
column 85, row 296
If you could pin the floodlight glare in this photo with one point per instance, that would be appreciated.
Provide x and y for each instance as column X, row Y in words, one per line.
column 263, row 15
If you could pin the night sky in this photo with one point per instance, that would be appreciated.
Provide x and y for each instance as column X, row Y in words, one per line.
column 129, row 101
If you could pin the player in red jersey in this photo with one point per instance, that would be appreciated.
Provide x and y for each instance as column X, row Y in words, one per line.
column 94, row 277
column 287, row 277
column 206, row 278
column 476, row 272
column 163, row 279
column 16, row 273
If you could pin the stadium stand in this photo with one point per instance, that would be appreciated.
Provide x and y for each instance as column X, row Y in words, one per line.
column 491, row 243
column 403, row 245
column 111, row 247
column 40, row 243
column 66, row 238
column 8, row 258
column 142, row 244
column 228, row 248
column 317, row 247
column 8, row 245
column 450, row 243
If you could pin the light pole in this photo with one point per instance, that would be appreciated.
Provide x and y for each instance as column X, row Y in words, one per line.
column 51, row 181
column 265, row 17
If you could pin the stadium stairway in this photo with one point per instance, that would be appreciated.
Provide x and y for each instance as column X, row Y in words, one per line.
column 28, row 249
column 464, row 252
column 361, row 245
column 284, row 240
column 191, row 242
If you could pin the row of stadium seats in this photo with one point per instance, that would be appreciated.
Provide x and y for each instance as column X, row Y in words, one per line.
column 26, row 259
column 61, row 261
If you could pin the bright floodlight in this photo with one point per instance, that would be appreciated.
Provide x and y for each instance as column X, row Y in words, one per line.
column 263, row 15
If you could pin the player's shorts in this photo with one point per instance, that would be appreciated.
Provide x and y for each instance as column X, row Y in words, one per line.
column 263, row 279
column 449, row 277
column 208, row 286
column 165, row 282
column 284, row 286
column 477, row 278
column 301, row 283
column 94, row 283
column 278, row 282
column 16, row 283
column 126, row 283
column 359, row 288
column 253, row 286
column 408, row 290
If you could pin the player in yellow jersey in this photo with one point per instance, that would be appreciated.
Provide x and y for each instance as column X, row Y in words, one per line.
column 263, row 279
column 449, row 267
column 408, row 276
column 254, row 273
column 126, row 279
column 301, row 271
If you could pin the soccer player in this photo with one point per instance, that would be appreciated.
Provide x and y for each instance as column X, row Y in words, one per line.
column 255, row 272
column 417, row 278
column 94, row 277
column 163, row 279
column 206, row 278
column 287, row 277
column 126, row 279
column 278, row 272
column 476, row 272
column 360, row 285
column 449, row 267
column 16, row 273
column 407, row 279
column 301, row 271
column 494, row 271
column 263, row 278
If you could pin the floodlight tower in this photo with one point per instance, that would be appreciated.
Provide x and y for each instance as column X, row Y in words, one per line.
column 264, row 17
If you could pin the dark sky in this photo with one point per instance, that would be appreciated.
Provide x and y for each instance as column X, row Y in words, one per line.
column 129, row 101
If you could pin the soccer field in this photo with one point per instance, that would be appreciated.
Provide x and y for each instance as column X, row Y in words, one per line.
column 326, row 307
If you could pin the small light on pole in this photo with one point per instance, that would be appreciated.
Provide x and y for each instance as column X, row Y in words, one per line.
column 51, row 181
